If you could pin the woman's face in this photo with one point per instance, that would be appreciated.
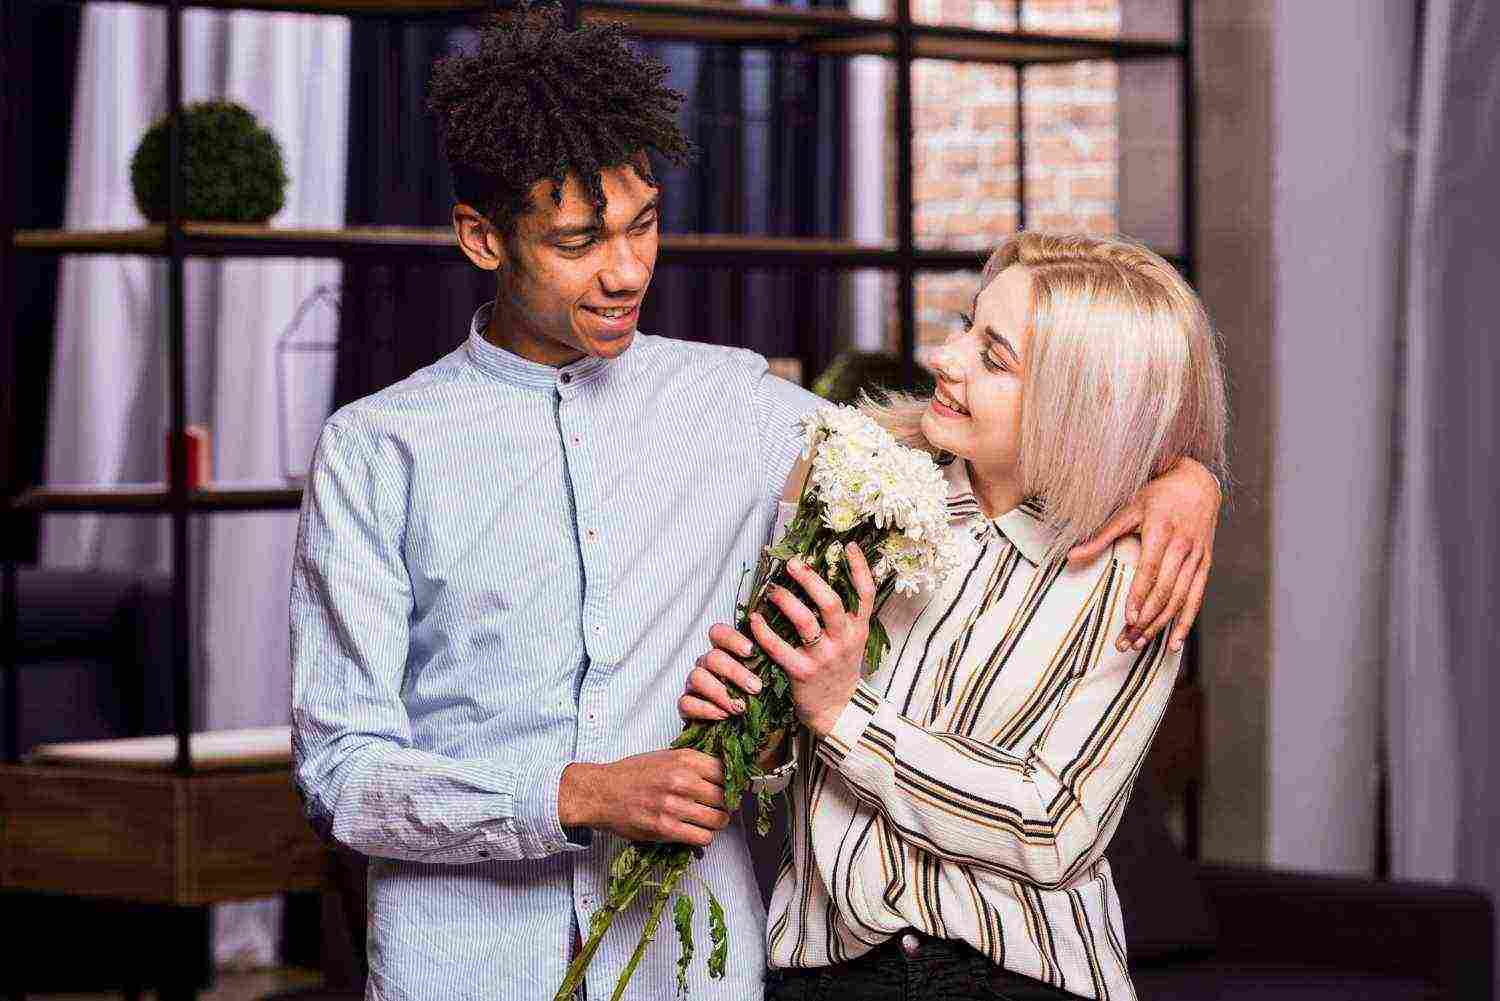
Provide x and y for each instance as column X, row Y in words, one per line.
column 976, row 410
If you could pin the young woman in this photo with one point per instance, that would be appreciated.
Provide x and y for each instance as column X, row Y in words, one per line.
column 951, row 805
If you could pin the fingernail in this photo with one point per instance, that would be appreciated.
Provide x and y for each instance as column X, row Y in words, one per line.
column 1122, row 644
column 1140, row 643
column 739, row 705
column 722, row 714
column 794, row 563
column 1176, row 645
column 755, row 686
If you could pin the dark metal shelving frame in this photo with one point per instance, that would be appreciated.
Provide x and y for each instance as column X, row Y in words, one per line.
column 829, row 33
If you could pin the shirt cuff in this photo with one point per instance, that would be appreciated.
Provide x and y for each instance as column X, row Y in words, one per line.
column 538, row 828
column 850, row 727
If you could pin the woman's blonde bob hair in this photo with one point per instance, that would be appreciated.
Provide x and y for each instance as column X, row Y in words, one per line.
column 1121, row 378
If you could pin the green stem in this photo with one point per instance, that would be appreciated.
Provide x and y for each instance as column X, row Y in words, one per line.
column 669, row 883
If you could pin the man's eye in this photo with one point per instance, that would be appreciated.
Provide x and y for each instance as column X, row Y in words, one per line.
column 645, row 224
column 574, row 248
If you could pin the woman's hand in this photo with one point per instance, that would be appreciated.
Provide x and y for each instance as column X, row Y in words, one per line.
column 825, row 668
column 1176, row 515
column 707, row 699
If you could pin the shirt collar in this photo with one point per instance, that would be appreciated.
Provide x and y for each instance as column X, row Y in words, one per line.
column 512, row 368
column 1023, row 525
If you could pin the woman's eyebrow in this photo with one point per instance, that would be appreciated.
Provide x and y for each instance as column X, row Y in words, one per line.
column 994, row 335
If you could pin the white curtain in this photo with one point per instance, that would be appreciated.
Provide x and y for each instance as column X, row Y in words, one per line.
column 109, row 405
column 1443, row 695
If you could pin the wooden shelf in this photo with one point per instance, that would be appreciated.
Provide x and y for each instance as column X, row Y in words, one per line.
column 202, row 239
column 153, row 498
column 110, row 819
column 209, row 751
column 823, row 31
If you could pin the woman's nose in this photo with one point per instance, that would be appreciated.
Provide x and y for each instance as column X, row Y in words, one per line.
column 946, row 362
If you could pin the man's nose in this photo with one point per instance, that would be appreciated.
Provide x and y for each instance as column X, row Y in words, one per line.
column 625, row 272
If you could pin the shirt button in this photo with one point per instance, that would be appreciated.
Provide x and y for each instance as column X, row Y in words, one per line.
column 484, row 853
column 566, row 378
column 598, row 629
column 576, row 440
column 910, row 944
column 593, row 536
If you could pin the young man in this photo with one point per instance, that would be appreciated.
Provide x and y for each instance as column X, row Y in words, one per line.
column 508, row 562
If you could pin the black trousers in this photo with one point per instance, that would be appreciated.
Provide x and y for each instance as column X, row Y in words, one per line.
column 909, row 967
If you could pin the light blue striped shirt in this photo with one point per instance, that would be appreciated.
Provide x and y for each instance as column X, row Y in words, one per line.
column 503, row 567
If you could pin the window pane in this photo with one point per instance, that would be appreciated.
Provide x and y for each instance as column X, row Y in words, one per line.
column 964, row 154
column 1072, row 147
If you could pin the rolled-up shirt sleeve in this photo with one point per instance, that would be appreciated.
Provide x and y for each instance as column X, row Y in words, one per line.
column 362, row 781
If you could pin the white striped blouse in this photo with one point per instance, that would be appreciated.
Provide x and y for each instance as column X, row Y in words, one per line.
column 971, row 786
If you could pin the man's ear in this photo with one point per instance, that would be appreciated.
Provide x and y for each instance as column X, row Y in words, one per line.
column 477, row 238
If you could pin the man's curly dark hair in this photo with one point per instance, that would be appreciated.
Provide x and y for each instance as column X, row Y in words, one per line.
column 536, row 101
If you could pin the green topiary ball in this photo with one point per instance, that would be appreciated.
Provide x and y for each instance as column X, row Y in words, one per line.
column 232, row 168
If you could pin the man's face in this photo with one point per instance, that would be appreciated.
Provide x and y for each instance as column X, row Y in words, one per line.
column 569, row 287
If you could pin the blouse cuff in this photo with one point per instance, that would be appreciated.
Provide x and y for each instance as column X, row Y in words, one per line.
column 776, row 779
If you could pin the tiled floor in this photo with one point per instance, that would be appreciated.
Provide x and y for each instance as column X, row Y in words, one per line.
column 230, row 986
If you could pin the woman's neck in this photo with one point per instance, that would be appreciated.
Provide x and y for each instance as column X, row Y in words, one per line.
column 996, row 490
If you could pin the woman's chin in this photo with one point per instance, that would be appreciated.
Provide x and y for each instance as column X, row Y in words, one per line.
column 940, row 433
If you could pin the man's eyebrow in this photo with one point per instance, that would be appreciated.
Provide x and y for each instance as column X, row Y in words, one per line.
column 593, row 227
column 995, row 335
column 581, row 229
column 649, row 207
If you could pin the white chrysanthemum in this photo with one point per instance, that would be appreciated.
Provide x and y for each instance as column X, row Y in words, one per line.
column 861, row 473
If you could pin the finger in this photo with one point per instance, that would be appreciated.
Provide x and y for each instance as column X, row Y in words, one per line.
column 1184, row 581
column 792, row 660
column 730, row 670
column 728, row 638
column 1172, row 567
column 703, row 684
column 864, row 580
column 677, row 833
column 694, row 709
column 700, row 814
column 705, row 793
column 1189, row 613
column 705, row 766
column 802, row 618
column 830, row 605
column 1123, row 523
column 1154, row 539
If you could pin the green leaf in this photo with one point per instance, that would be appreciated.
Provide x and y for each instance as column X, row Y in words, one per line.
column 876, row 645
column 682, row 917
column 719, row 933
column 763, row 812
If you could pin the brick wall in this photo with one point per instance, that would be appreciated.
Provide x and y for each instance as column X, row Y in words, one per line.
column 964, row 117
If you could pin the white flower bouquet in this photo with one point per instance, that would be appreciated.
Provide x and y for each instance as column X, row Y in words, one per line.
column 863, row 488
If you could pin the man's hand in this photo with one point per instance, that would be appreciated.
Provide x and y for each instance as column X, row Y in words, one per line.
column 1176, row 515
column 675, row 796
